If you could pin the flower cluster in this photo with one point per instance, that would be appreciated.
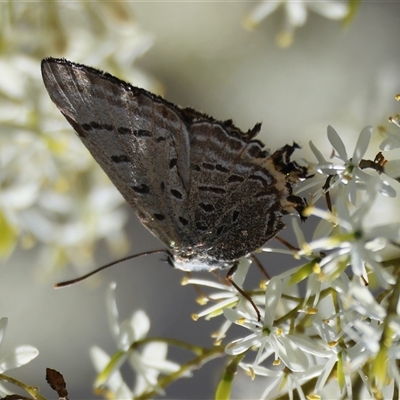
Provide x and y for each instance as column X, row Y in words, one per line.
column 326, row 328
column 148, row 363
column 52, row 192
column 345, row 322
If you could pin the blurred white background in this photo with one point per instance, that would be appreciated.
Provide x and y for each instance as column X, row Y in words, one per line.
column 203, row 58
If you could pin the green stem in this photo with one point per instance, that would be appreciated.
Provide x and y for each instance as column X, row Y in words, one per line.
column 380, row 364
column 29, row 389
column 223, row 391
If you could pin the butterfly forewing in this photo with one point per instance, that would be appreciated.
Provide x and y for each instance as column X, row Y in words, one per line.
column 127, row 134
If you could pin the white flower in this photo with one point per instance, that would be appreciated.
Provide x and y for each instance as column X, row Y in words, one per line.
column 148, row 363
column 282, row 381
column 295, row 15
column 356, row 244
column 392, row 140
column 348, row 172
column 21, row 355
column 225, row 296
column 268, row 338
column 366, row 337
column 55, row 202
column 115, row 382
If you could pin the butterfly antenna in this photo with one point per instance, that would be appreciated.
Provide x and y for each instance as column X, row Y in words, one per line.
column 76, row 280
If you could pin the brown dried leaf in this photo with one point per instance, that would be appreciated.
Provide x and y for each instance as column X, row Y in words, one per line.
column 57, row 382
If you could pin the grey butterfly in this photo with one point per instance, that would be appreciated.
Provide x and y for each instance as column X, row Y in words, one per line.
column 210, row 192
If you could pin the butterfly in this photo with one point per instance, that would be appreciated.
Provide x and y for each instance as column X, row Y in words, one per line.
column 210, row 192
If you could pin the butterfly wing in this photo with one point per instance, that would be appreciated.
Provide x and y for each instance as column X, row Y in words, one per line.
column 137, row 138
column 206, row 189
column 236, row 191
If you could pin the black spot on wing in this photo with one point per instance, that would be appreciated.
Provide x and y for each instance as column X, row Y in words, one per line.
column 208, row 166
column 142, row 189
column 220, row 168
column 160, row 217
column 177, row 194
column 123, row 131
column 172, row 163
column 95, row 125
column 195, row 167
column 120, row 159
column 184, row 221
column 87, row 127
column 235, row 178
column 142, row 133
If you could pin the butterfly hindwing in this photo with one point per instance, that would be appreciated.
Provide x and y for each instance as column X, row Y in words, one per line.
column 233, row 197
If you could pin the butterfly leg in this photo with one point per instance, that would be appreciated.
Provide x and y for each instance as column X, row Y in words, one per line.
column 229, row 278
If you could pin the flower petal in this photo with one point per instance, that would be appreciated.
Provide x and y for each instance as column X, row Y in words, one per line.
column 241, row 345
column 364, row 302
column 325, row 374
column 156, row 351
column 312, row 346
column 259, row 370
column 3, row 327
column 329, row 9
column 115, row 382
column 141, row 324
column 337, row 143
column 20, row 356
column 107, row 374
column 296, row 13
column 392, row 168
column 291, row 355
column 126, row 335
column 318, row 155
column 261, row 11
column 241, row 272
column 273, row 295
column 362, row 145
column 112, row 311
column 390, row 143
